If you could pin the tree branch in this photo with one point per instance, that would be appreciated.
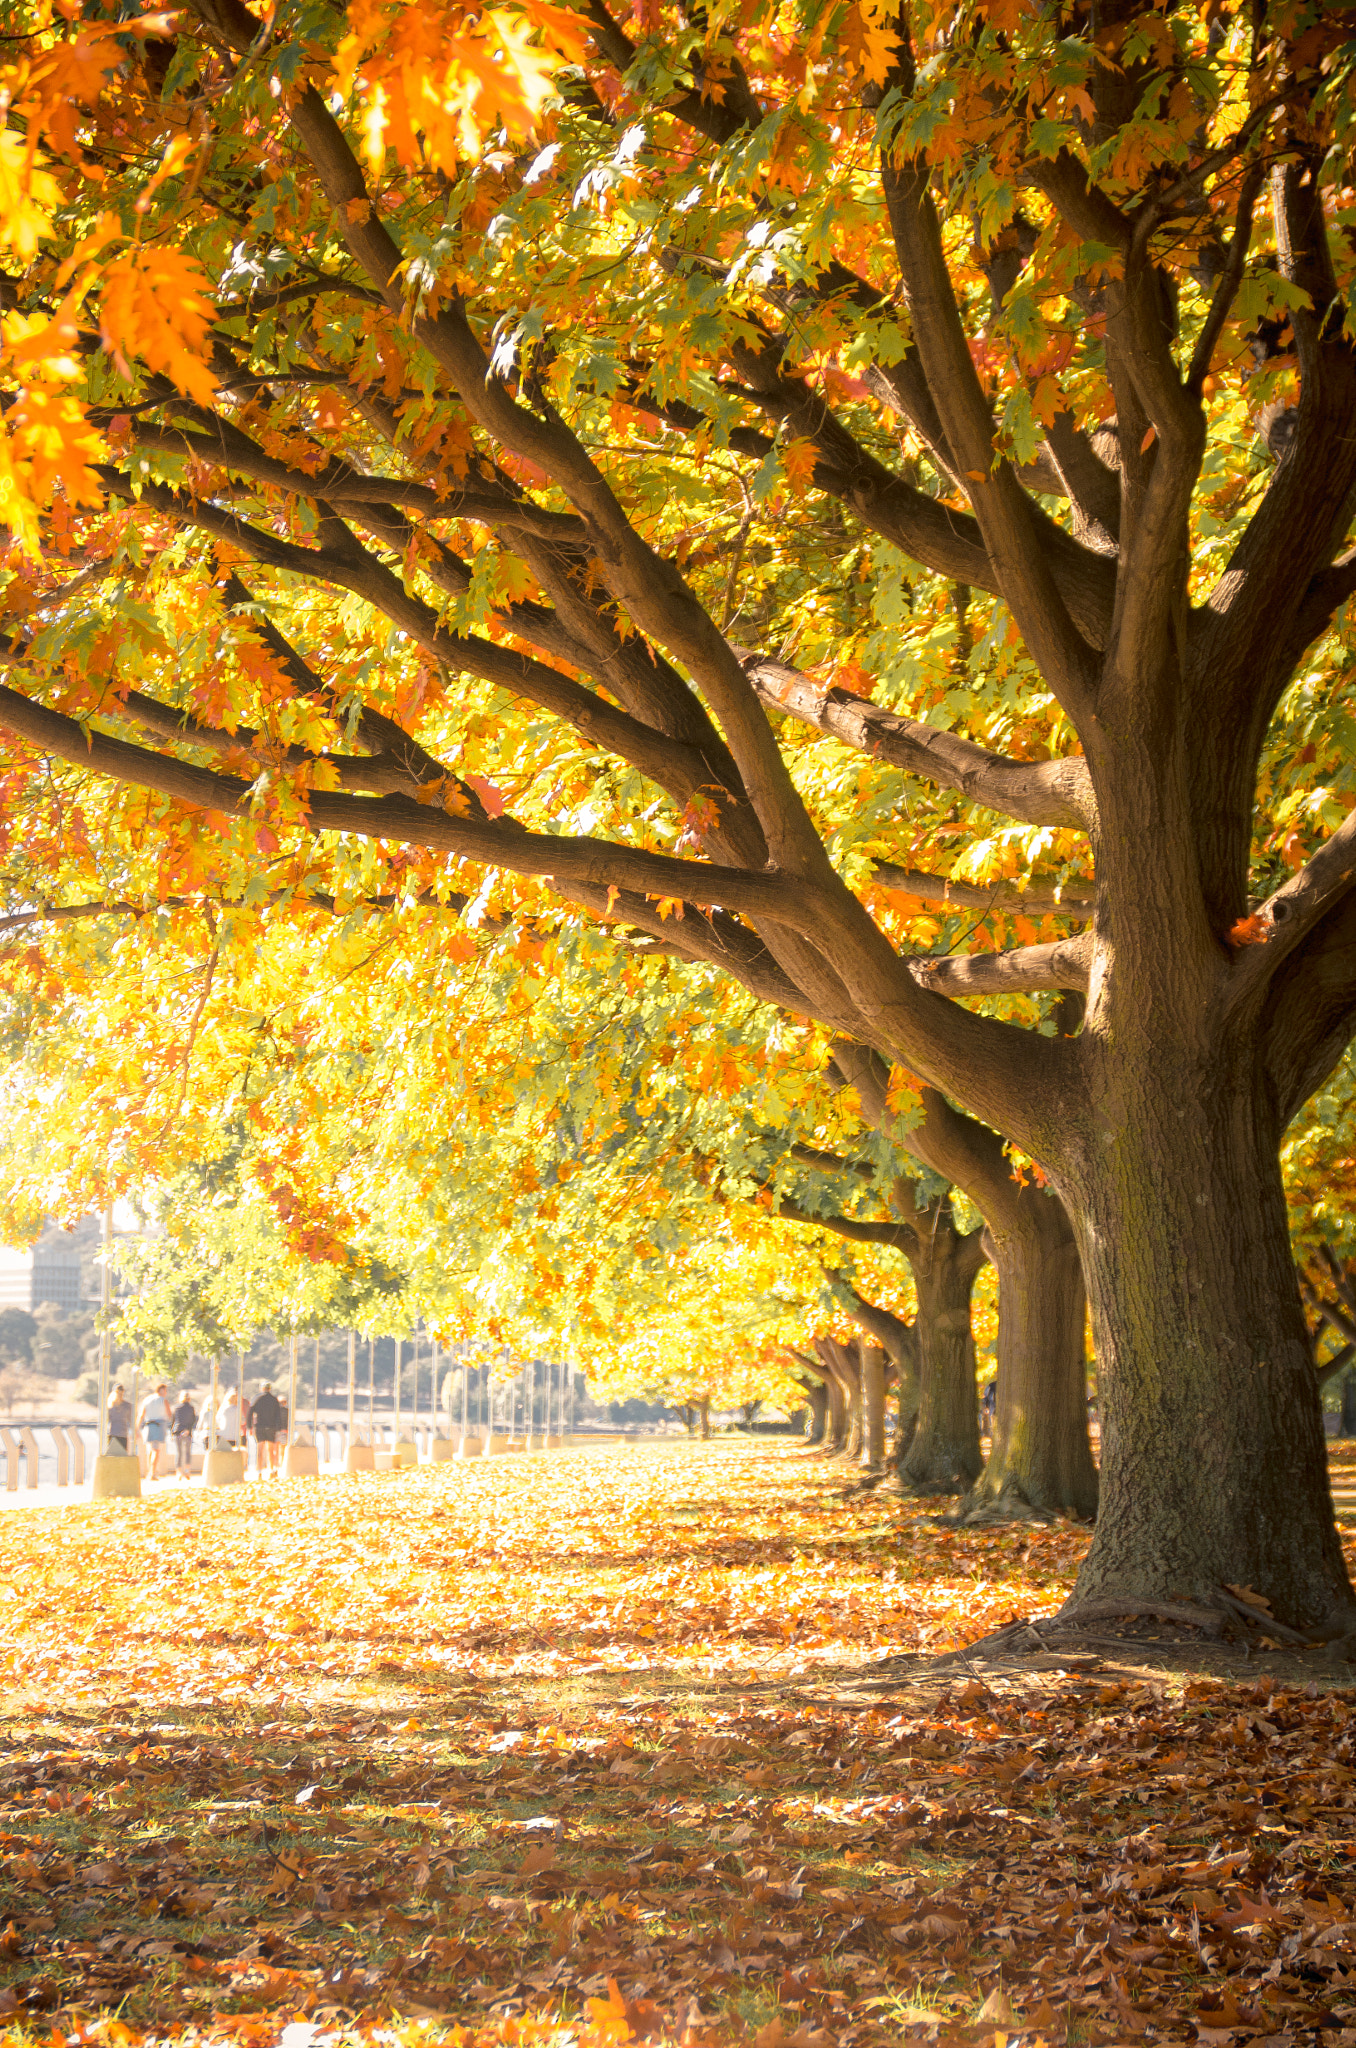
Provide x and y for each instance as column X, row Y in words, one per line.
column 499, row 843
column 1036, row 899
column 1023, row 971
column 1057, row 792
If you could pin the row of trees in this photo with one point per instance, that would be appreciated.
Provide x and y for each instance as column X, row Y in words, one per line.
column 845, row 515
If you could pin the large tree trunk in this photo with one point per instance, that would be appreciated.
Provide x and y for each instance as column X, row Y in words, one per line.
column 835, row 1436
column 900, row 1341
column 1040, row 1456
column 872, row 1369
column 817, row 1400
column 944, row 1456
column 844, row 1358
column 1214, row 1462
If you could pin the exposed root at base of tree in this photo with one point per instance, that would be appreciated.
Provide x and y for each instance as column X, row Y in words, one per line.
column 991, row 1511
column 1123, row 1635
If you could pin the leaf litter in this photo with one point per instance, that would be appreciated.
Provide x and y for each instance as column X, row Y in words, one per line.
column 550, row 1751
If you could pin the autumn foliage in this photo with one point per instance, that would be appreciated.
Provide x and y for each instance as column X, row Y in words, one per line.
column 601, row 1748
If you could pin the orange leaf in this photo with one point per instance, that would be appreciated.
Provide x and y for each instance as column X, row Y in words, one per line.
column 1250, row 931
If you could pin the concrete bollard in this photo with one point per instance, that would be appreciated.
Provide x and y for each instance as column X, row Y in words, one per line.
column 359, row 1458
column 223, row 1468
column 117, row 1476
column 555, row 1443
column 30, row 1450
column 77, row 1444
column 11, row 1450
column 63, row 1455
column 492, row 1446
column 470, row 1446
column 441, row 1449
column 406, row 1452
column 301, row 1461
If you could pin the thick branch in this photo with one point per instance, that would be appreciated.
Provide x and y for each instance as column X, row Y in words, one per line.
column 1037, row 792
column 1023, row 971
column 499, row 843
column 1036, row 899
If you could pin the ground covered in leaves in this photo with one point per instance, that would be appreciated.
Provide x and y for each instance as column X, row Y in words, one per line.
column 580, row 1749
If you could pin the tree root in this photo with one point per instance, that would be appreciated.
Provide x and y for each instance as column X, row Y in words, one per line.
column 1124, row 1606
column 993, row 1510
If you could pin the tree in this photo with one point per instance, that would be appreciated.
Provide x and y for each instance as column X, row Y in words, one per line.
column 1044, row 252
column 17, row 1331
column 60, row 1341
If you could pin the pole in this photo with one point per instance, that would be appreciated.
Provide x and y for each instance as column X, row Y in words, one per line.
column 105, row 1334
column 414, row 1399
column 315, row 1398
column 292, row 1391
column 465, row 1393
column 398, row 1343
column 212, row 1406
column 240, row 1411
column 371, row 1391
column 352, row 1368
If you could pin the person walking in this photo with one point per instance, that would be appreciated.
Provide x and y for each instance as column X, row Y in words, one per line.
column 119, row 1419
column 183, row 1422
column 266, row 1418
column 228, row 1422
column 154, row 1422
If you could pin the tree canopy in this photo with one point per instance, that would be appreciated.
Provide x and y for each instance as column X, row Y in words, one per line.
column 825, row 493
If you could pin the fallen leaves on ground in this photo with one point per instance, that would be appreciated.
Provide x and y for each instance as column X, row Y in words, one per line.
column 542, row 1751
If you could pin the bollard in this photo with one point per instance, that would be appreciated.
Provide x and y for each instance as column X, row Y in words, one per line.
column 301, row 1461
column 555, row 1443
column 63, row 1456
column 491, row 1446
column 11, row 1451
column 30, row 1449
column 359, row 1458
column 404, row 1453
column 223, row 1468
column 442, row 1448
column 117, row 1476
column 77, row 1444
column 470, row 1446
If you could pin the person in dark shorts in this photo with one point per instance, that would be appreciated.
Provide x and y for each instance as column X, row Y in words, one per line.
column 266, row 1420
column 183, row 1422
column 119, row 1420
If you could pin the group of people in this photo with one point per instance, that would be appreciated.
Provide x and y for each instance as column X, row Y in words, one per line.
column 264, row 1418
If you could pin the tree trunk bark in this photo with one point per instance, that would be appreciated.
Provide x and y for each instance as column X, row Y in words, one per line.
column 817, row 1400
column 1349, row 1402
column 1040, row 1457
column 835, row 1436
column 845, row 1360
column 872, row 1369
column 704, row 1413
column 1214, row 1461
column 944, row 1456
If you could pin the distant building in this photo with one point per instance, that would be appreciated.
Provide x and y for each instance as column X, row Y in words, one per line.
column 60, row 1268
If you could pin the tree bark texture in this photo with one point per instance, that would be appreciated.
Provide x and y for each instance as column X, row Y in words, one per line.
column 944, row 1456
column 1214, row 1459
column 835, row 1435
column 871, row 1365
column 845, row 1361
